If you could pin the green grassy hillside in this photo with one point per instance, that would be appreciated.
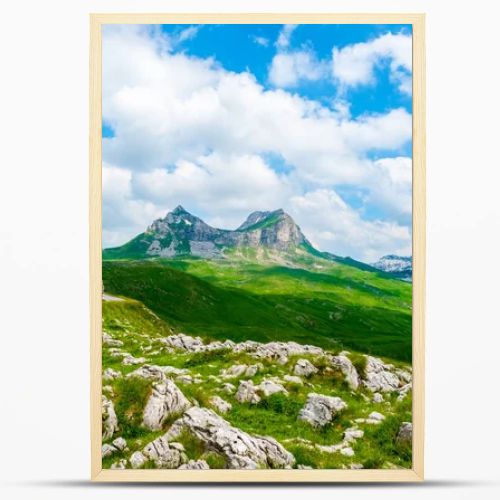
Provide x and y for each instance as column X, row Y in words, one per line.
column 329, row 304
column 140, row 331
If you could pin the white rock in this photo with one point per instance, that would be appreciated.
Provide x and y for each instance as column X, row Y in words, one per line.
column 228, row 388
column 184, row 342
column 403, row 392
column 378, row 398
column 375, row 418
column 109, row 419
column 247, row 392
column 128, row 359
column 268, row 387
column 108, row 340
column 378, row 377
column 347, row 368
column 293, row 379
column 163, row 455
column 195, row 465
column 107, row 450
column 110, row 374
column 120, row 465
column 184, row 379
column 166, row 400
column 347, row 452
column 304, row 367
column 319, row 410
column 220, row 404
column 352, row 434
column 148, row 372
column 304, row 467
column 119, row 443
column 234, row 371
column 137, row 460
column 252, row 370
column 242, row 450
column 405, row 433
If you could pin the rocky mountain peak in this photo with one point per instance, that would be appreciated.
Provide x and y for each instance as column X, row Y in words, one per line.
column 181, row 233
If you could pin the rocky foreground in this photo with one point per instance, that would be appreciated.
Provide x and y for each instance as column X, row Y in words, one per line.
column 178, row 401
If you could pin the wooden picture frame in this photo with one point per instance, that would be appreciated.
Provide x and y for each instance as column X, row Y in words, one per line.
column 95, row 214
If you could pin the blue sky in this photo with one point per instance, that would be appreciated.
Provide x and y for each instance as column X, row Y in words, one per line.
column 315, row 118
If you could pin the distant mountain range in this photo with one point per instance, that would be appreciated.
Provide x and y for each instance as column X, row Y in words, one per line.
column 399, row 267
column 264, row 236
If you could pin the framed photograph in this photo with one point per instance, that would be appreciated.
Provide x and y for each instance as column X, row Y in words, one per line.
column 257, row 247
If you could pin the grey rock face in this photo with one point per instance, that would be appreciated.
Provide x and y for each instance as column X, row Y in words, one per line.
column 269, row 387
column 242, row 450
column 319, row 410
column 137, row 460
column 247, row 392
column 345, row 365
column 405, row 433
column 378, row 377
column 109, row 419
column 220, row 404
column 181, row 233
column 304, row 367
column 166, row 400
column 195, row 465
column 164, row 455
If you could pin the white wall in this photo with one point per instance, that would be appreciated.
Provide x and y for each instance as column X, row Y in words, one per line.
column 44, row 443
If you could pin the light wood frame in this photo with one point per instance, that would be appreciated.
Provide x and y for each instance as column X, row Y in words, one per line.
column 95, row 213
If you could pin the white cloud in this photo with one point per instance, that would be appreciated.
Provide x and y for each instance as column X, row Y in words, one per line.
column 260, row 40
column 187, row 131
column 330, row 223
column 187, row 34
column 354, row 64
column 284, row 36
column 290, row 68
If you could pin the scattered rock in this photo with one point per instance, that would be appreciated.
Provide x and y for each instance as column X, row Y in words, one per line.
column 403, row 392
column 242, row 450
column 137, row 460
column 268, row 387
column 163, row 455
column 220, row 404
column 148, row 372
column 166, row 400
column 304, row 367
column 234, row 371
column 107, row 450
column 374, row 418
column 184, row 379
column 304, row 467
column 378, row 378
column 108, row 340
column 356, row 466
column 195, row 465
column 378, row 398
column 120, row 465
column 320, row 410
column 109, row 419
column 347, row 452
column 120, row 444
column 184, row 342
column 344, row 364
column 293, row 379
column 110, row 374
column 352, row 434
column 405, row 433
column 128, row 359
column 252, row 370
column 228, row 388
column 247, row 392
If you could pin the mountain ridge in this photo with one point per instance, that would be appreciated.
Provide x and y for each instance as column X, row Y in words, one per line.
column 181, row 233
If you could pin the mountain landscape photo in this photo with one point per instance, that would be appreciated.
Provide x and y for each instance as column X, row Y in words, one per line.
column 256, row 262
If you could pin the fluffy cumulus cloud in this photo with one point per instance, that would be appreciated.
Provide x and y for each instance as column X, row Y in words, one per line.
column 188, row 131
column 355, row 64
